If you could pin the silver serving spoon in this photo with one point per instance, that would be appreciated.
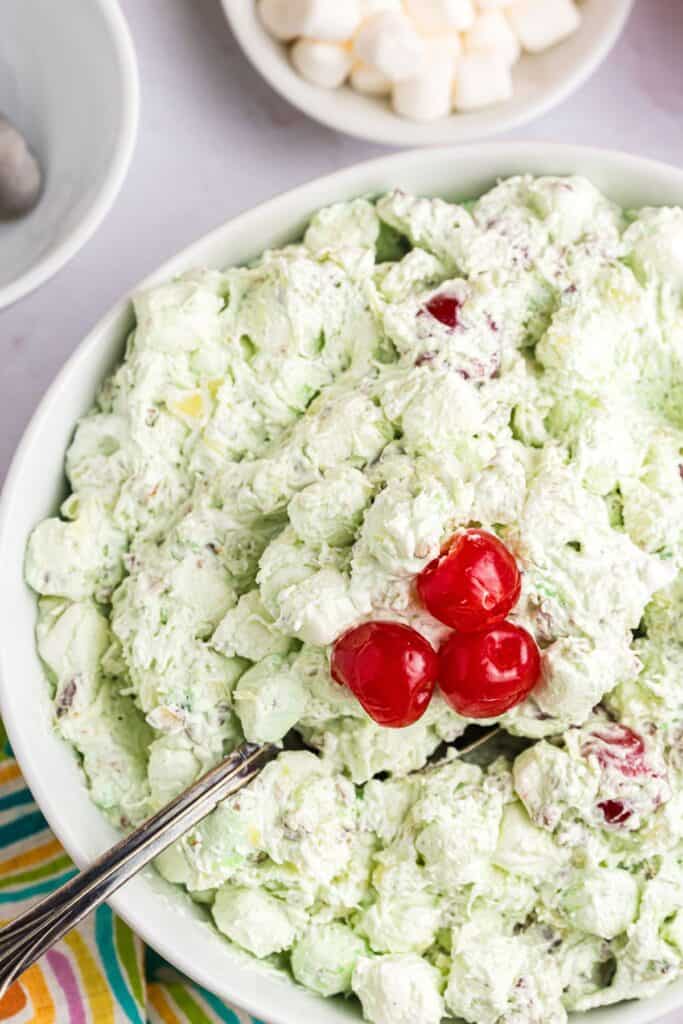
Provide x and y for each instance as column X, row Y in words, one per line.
column 21, row 178
column 25, row 939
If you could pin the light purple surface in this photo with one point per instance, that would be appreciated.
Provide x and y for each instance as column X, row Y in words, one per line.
column 214, row 140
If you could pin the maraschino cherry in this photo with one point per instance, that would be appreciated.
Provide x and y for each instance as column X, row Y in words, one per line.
column 617, row 746
column 473, row 583
column 485, row 674
column 444, row 308
column 390, row 668
column 615, row 812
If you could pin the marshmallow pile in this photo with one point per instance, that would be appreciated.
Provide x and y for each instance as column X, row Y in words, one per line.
column 428, row 56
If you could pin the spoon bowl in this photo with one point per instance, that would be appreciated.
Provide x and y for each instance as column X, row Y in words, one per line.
column 20, row 174
column 70, row 84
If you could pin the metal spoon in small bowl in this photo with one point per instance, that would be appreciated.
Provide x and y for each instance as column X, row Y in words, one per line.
column 21, row 178
column 31, row 934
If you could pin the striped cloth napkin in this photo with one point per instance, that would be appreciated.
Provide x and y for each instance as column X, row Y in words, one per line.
column 101, row 973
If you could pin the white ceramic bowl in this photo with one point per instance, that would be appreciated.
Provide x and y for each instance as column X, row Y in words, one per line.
column 160, row 913
column 69, row 81
column 541, row 82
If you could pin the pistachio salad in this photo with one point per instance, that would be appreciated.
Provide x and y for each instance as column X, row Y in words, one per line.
column 422, row 469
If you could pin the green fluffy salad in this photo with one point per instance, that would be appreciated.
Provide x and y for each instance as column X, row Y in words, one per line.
column 284, row 448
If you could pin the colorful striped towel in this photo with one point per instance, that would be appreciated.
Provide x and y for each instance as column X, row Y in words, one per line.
column 101, row 973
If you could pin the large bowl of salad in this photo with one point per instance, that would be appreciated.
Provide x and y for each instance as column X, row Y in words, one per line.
column 394, row 454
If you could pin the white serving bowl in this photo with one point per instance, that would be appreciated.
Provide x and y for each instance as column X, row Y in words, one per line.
column 540, row 82
column 69, row 81
column 159, row 912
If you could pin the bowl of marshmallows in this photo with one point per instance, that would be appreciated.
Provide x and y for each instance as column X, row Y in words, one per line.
column 421, row 72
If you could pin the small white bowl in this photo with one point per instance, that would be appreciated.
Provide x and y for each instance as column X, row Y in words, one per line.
column 69, row 82
column 540, row 82
column 161, row 913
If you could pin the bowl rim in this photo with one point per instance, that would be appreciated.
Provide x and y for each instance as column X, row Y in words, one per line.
column 277, row 1003
column 58, row 257
column 394, row 130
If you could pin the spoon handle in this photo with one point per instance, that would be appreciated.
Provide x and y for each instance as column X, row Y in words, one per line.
column 31, row 934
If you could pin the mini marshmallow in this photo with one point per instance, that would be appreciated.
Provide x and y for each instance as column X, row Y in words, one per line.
column 492, row 5
column 435, row 16
column 389, row 43
column 332, row 21
column 427, row 96
column 327, row 20
column 365, row 78
column 542, row 23
column 480, row 80
column 447, row 46
column 492, row 33
column 324, row 64
column 368, row 7
column 282, row 19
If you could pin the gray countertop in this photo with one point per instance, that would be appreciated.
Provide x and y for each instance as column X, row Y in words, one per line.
column 215, row 140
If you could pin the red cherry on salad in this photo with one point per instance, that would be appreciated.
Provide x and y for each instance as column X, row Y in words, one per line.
column 445, row 309
column 485, row 674
column 390, row 668
column 614, row 812
column 472, row 584
column 616, row 746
